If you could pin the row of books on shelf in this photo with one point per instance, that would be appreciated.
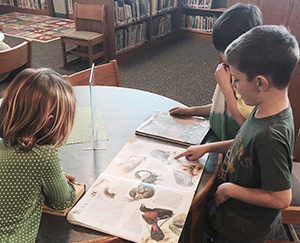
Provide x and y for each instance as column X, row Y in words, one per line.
column 197, row 3
column 127, row 11
column 162, row 26
column 134, row 35
column 159, row 6
column 30, row 4
column 130, row 36
column 198, row 22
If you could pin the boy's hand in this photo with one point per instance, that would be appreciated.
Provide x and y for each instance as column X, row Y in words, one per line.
column 223, row 77
column 70, row 178
column 180, row 111
column 223, row 192
column 193, row 153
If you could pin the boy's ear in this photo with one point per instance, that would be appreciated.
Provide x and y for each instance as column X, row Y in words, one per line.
column 262, row 82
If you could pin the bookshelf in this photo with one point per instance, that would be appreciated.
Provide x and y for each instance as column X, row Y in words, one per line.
column 145, row 24
column 42, row 7
column 198, row 17
column 132, row 30
column 134, row 26
column 70, row 9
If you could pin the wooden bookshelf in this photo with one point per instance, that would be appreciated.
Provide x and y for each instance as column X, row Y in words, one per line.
column 70, row 9
column 162, row 23
column 196, row 34
column 47, row 10
column 198, row 17
column 172, row 13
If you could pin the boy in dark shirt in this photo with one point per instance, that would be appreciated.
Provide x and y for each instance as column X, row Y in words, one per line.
column 255, row 177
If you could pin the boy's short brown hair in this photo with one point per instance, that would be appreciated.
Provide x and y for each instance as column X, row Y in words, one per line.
column 233, row 22
column 268, row 50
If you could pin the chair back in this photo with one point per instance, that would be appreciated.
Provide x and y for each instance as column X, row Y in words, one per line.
column 105, row 75
column 294, row 97
column 90, row 17
column 297, row 147
column 16, row 57
column 194, row 224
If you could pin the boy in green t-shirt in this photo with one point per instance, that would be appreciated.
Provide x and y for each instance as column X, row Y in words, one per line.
column 254, row 182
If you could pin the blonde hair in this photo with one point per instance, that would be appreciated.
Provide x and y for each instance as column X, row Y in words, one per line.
column 32, row 97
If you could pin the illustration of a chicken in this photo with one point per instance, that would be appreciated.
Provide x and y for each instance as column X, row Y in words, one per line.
column 152, row 216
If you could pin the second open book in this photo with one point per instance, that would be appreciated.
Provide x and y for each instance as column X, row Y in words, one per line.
column 144, row 195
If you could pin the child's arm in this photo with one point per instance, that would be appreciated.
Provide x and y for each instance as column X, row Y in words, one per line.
column 195, row 152
column 223, row 78
column 254, row 196
column 58, row 190
column 191, row 111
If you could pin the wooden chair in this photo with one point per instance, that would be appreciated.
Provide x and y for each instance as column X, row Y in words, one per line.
column 16, row 57
column 194, row 225
column 1, row 33
column 89, row 37
column 13, row 61
column 105, row 74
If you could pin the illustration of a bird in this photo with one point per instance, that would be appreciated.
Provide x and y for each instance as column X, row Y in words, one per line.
column 152, row 216
column 166, row 157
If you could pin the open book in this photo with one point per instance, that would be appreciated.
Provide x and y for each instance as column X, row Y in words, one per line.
column 184, row 130
column 144, row 194
column 80, row 190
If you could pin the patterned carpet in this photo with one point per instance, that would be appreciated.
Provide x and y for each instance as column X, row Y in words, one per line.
column 35, row 27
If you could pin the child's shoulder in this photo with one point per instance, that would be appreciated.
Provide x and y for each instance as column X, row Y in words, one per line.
column 44, row 154
column 45, row 150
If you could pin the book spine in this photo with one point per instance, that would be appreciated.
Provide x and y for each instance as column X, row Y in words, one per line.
column 130, row 37
column 128, row 11
column 162, row 25
column 198, row 22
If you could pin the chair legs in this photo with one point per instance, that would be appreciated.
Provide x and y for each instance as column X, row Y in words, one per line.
column 81, row 52
column 63, row 50
column 91, row 53
column 65, row 54
column 291, row 233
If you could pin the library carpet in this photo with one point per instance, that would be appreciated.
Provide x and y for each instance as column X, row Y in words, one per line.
column 35, row 27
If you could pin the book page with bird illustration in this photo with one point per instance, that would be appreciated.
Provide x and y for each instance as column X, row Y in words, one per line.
column 144, row 195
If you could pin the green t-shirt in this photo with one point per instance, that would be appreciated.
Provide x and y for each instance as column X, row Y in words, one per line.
column 27, row 181
column 260, row 157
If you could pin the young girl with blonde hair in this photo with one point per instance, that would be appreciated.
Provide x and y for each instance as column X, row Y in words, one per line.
column 36, row 118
